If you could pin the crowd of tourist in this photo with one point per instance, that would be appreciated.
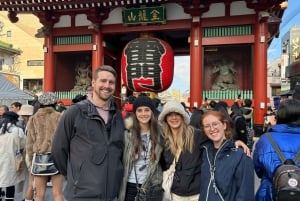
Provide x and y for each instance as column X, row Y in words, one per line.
column 102, row 152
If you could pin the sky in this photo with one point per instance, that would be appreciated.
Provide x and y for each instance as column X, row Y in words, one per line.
column 181, row 77
column 291, row 17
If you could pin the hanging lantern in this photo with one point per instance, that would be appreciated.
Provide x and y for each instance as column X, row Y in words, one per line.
column 147, row 65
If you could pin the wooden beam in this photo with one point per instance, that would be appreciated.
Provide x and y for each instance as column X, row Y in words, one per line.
column 170, row 25
column 73, row 48
column 233, row 20
column 228, row 40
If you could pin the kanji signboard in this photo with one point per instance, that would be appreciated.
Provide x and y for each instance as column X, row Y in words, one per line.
column 144, row 15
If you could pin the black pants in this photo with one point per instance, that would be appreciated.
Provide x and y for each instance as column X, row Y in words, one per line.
column 10, row 193
column 130, row 192
column 154, row 194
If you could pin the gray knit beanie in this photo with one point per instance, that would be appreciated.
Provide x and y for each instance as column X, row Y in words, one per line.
column 173, row 106
column 47, row 98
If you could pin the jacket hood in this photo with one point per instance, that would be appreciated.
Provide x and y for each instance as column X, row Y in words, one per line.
column 128, row 122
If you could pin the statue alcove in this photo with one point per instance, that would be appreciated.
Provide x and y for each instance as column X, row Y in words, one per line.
column 83, row 76
column 67, row 76
column 228, row 68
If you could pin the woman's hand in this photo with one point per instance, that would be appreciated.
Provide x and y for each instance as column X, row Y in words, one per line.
column 241, row 144
column 272, row 120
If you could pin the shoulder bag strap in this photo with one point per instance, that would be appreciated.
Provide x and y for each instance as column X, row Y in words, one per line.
column 137, row 184
column 297, row 157
column 275, row 146
column 18, row 144
column 178, row 152
column 176, row 158
column 133, row 163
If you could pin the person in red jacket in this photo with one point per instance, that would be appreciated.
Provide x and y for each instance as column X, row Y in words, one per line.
column 128, row 107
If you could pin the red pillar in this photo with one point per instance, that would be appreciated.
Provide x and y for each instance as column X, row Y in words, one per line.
column 260, row 72
column 49, row 70
column 98, row 51
column 195, row 64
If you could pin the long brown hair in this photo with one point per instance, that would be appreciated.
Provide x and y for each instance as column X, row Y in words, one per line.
column 184, row 140
column 137, row 140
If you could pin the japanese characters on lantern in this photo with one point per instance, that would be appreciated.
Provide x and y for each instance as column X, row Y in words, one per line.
column 147, row 65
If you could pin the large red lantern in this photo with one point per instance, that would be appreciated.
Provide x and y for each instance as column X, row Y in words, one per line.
column 147, row 65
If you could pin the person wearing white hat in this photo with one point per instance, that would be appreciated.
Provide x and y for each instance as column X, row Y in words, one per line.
column 182, row 141
column 183, row 144
column 26, row 112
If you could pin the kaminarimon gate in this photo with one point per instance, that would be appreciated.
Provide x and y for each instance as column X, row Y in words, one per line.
column 81, row 35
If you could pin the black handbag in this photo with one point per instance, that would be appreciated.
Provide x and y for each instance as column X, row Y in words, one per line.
column 43, row 165
column 152, row 194
column 140, row 196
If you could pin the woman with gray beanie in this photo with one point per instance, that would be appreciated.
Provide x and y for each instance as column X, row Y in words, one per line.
column 185, row 142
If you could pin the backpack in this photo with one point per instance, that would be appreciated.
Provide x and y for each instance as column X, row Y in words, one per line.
column 286, row 179
column 248, row 133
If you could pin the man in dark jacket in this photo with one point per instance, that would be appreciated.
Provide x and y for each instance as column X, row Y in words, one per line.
column 239, row 123
column 88, row 143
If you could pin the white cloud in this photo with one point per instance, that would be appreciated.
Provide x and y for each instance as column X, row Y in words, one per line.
column 181, row 79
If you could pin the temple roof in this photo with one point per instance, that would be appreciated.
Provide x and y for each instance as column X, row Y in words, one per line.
column 48, row 5
column 47, row 9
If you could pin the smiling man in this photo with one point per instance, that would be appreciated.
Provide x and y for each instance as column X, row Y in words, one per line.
column 88, row 143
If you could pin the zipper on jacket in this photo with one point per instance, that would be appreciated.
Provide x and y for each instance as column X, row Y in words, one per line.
column 105, row 135
column 212, row 173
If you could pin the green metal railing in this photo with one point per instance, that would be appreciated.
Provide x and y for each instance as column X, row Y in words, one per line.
column 68, row 94
column 210, row 94
column 227, row 94
column 73, row 40
column 238, row 30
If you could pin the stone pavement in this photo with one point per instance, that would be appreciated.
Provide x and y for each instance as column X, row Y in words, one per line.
column 48, row 196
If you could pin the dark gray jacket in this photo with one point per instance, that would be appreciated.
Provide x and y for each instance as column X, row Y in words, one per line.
column 89, row 152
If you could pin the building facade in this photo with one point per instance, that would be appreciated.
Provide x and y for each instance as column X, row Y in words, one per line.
column 227, row 41
column 291, row 57
column 29, row 63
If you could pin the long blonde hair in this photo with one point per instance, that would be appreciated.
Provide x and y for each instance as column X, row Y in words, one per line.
column 184, row 138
